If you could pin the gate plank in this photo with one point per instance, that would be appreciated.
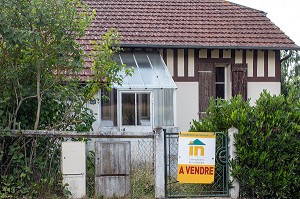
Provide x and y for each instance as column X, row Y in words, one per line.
column 112, row 169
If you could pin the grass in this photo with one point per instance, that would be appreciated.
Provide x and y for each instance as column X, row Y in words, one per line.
column 143, row 182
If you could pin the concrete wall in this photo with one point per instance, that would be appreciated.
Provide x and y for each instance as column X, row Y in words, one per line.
column 95, row 107
column 187, row 104
column 255, row 88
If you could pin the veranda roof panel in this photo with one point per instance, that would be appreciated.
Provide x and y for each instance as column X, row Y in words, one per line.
column 150, row 71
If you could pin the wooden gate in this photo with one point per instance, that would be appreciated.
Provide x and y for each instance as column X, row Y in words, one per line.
column 112, row 169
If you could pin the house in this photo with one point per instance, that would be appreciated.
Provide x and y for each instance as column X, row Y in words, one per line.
column 184, row 52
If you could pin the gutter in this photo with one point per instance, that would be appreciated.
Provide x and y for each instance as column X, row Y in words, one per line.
column 207, row 47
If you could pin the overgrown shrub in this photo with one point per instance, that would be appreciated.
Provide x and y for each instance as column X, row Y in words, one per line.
column 268, row 144
column 30, row 168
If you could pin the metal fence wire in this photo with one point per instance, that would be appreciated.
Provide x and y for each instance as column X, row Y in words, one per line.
column 178, row 190
column 30, row 166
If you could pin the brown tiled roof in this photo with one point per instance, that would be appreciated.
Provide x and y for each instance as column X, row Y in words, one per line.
column 186, row 23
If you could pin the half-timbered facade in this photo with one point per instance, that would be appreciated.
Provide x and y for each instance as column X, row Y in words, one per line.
column 220, row 73
column 184, row 52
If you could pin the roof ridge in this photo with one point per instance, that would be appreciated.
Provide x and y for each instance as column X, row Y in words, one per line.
column 177, row 22
column 260, row 11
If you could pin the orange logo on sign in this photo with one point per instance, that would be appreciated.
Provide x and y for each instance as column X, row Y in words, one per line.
column 196, row 148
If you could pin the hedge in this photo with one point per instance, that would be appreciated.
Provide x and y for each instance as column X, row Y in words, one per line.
column 268, row 144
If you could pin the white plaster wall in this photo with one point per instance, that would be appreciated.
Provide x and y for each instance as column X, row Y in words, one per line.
column 227, row 54
column 260, row 63
column 249, row 60
column 255, row 88
column 215, row 53
column 238, row 56
column 186, row 104
column 271, row 64
column 191, row 61
column 202, row 53
column 96, row 111
column 170, row 61
column 180, row 62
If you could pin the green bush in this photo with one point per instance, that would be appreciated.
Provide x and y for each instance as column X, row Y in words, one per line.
column 268, row 145
column 30, row 168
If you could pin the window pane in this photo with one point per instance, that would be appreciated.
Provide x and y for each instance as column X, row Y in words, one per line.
column 109, row 108
column 161, row 71
column 168, row 107
column 122, row 74
column 128, row 109
column 220, row 74
column 220, row 91
column 149, row 77
column 135, row 80
column 106, row 105
column 163, row 107
column 158, row 107
column 143, row 106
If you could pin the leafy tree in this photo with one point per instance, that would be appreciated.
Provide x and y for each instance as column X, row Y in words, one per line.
column 290, row 71
column 40, row 66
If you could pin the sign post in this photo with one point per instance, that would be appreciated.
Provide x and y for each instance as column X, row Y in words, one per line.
column 196, row 157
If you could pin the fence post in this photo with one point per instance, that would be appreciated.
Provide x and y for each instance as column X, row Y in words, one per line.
column 234, row 191
column 159, row 163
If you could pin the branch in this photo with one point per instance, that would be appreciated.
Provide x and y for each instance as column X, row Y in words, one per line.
column 18, row 107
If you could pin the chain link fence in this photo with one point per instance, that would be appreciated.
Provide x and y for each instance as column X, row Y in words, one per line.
column 30, row 165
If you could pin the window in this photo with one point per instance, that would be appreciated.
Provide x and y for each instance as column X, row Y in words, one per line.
column 109, row 108
column 220, row 82
column 214, row 81
column 136, row 109
column 144, row 99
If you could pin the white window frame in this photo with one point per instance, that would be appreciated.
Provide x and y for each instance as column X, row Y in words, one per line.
column 227, row 79
column 135, row 128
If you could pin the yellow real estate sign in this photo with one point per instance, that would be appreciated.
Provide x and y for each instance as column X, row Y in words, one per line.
column 196, row 157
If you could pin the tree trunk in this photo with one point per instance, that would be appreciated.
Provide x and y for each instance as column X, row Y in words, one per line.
column 38, row 91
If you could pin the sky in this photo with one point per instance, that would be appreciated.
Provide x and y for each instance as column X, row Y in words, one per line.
column 284, row 13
